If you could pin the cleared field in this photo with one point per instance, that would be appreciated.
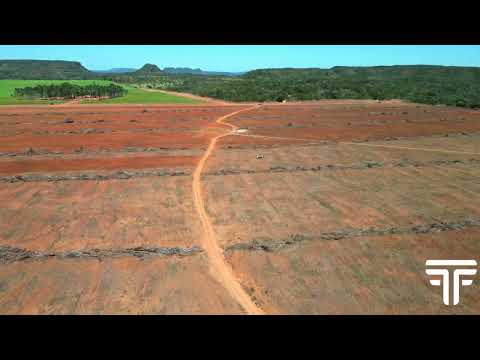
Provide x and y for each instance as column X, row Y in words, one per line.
column 82, row 128
column 113, row 286
column 308, row 232
column 280, row 204
column 79, row 215
column 119, row 163
column 134, row 95
column 112, row 244
column 366, row 275
column 307, row 155
column 334, row 227
column 99, row 214
column 353, row 121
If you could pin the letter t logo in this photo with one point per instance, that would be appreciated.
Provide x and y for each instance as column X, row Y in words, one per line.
column 440, row 270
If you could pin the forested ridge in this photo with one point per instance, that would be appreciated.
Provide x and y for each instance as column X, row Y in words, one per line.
column 457, row 86
column 44, row 70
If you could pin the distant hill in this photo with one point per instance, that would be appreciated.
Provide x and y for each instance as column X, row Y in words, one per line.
column 186, row 70
column 72, row 70
column 146, row 73
column 44, row 70
column 115, row 71
column 396, row 72
column 148, row 70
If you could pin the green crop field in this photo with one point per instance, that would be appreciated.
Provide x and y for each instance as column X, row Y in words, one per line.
column 140, row 96
column 134, row 96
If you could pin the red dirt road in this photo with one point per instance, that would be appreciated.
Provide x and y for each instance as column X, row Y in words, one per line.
column 220, row 269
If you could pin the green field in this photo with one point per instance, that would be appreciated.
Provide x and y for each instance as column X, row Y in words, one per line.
column 140, row 96
column 134, row 96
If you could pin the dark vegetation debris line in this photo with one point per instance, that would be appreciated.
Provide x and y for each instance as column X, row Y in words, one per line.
column 127, row 174
column 87, row 131
column 129, row 149
column 10, row 254
column 119, row 175
column 42, row 152
column 356, row 166
column 268, row 244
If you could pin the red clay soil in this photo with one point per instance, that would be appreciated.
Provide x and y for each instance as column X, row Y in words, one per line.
column 368, row 275
column 139, row 162
column 115, row 214
column 352, row 122
column 165, row 118
column 114, row 286
column 170, row 127
column 26, row 109
column 116, row 141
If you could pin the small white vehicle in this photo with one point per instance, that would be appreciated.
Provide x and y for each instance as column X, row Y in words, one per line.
column 259, row 156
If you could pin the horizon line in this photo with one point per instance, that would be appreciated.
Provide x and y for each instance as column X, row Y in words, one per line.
column 245, row 71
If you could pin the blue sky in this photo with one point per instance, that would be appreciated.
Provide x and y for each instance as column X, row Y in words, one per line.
column 246, row 57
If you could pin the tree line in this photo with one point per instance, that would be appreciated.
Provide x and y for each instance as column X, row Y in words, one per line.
column 70, row 91
column 422, row 84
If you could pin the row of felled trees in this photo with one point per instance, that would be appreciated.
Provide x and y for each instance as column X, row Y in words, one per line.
column 70, row 91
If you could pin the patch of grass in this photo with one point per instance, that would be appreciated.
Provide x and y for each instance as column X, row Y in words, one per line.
column 140, row 96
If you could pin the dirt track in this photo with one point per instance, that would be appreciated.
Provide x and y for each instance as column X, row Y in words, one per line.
column 218, row 266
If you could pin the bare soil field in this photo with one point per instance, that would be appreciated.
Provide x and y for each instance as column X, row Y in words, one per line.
column 99, row 127
column 138, row 162
column 365, row 275
column 168, row 285
column 79, row 215
column 353, row 121
column 328, row 207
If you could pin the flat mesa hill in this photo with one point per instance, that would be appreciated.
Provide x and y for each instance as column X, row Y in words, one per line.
column 59, row 70
column 65, row 70
column 44, row 70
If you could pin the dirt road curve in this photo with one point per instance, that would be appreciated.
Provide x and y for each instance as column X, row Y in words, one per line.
column 218, row 265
